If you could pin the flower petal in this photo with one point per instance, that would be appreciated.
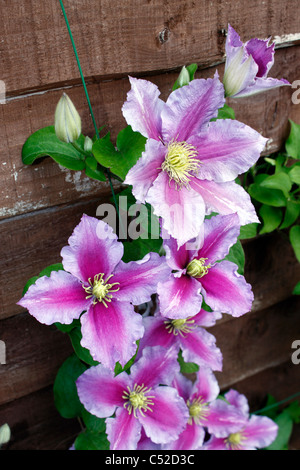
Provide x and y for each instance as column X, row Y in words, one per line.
column 156, row 334
column 238, row 400
column 240, row 71
column 262, row 84
column 93, row 249
column 220, row 234
column 227, row 148
column 190, row 439
column 111, row 333
column 260, row 432
column 215, row 443
column 157, row 365
column 177, row 258
column 58, row 298
column 205, row 386
column 206, row 319
column 100, row 392
column 168, row 418
column 190, row 107
column 199, row 347
column 224, row 419
column 123, row 431
column 226, row 198
column 226, row 290
column 179, row 297
column 143, row 174
column 262, row 53
column 138, row 279
column 143, row 108
column 178, row 208
column 183, row 386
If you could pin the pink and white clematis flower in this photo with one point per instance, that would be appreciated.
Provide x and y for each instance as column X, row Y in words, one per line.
column 97, row 282
column 142, row 401
column 199, row 271
column 190, row 163
column 247, row 66
column 186, row 334
column 207, row 412
column 256, row 432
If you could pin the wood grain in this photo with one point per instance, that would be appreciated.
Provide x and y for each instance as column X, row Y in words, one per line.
column 28, row 188
column 137, row 35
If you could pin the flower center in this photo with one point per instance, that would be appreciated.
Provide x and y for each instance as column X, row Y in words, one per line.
column 137, row 399
column 180, row 326
column 198, row 410
column 100, row 289
column 197, row 267
column 234, row 440
column 180, row 163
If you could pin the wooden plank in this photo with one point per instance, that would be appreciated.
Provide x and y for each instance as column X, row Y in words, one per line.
column 36, row 424
column 24, row 189
column 143, row 36
column 256, row 341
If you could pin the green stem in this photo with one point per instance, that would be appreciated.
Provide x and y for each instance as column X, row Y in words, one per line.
column 277, row 404
column 76, row 146
column 90, row 107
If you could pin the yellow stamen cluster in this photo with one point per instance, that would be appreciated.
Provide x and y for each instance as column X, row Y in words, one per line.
column 198, row 410
column 197, row 268
column 136, row 399
column 100, row 289
column 181, row 163
column 234, row 441
column 180, row 326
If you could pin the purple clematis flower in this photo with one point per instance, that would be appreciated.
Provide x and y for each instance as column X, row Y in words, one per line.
column 206, row 411
column 138, row 400
column 197, row 271
column 247, row 66
column 96, row 281
column 189, row 164
column 187, row 334
column 257, row 431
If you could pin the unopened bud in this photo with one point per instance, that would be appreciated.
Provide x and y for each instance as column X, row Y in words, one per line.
column 88, row 144
column 184, row 77
column 67, row 120
column 4, row 434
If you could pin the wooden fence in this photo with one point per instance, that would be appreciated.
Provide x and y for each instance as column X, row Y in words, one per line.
column 41, row 204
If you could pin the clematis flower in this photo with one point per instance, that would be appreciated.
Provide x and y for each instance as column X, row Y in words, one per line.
column 247, row 66
column 187, row 334
column 198, row 271
column 97, row 282
column 138, row 400
column 189, row 164
column 206, row 411
column 257, row 432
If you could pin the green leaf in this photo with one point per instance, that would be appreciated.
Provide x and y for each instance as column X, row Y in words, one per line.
column 271, row 197
column 130, row 146
column 294, row 411
column 89, row 440
column 136, row 249
column 64, row 388
column 92, row 422
column 272, row 403
column 187, row 367
column 237, row 255
column 294, row 235
column 296, row 290
column 271, row 217
column 44, row 142
column 279, row 181
column 248, row 231
column 45, row 272
column 285, row 428
column 292, row 213
column 294, row 173
column 82, row 353
column 292, row 144
column 225, row 113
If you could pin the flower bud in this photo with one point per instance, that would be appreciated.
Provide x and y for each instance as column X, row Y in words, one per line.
column 184, row 77
column 67, row 120
column 4, row 434
column 88, row 144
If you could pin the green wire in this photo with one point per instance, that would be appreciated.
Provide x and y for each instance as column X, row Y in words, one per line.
column 90, row 106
